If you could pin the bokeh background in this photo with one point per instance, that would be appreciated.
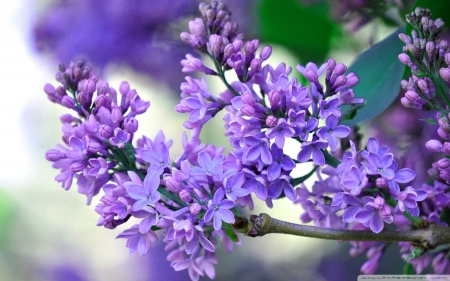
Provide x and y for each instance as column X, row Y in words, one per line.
column 47, row 233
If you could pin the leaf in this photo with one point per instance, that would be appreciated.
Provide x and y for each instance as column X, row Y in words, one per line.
column 230, row 233
column 304, row 30
column 380, row 73
column 429, row 121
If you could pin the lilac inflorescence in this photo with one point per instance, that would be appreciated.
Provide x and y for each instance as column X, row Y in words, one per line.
column 194, row 200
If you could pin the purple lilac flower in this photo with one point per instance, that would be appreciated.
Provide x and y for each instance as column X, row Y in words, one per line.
column 158, row 158
column 354, row 181
column 258, row 148
column 332, row 131
column 330, row 106
column 280, row 132
column 407, row 200
column 280, row 162
column 207, row 166
column 313, row 149
column 233, row 186
column 144, row 192
column 380, row 166
column 374, row 213
column 120, row 138
column 137, row 241
column 218, row 210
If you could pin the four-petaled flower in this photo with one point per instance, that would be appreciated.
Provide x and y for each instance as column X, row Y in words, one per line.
column 218, row 209
column 144, row 192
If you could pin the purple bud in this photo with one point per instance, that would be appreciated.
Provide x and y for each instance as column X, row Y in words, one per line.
column 124, row 88
column 228, row 51
column 331, row 64
column 433, row 172
column 430, row 47
column 67, row 118
column 443, row 163
column 54, row 155
column 130, row 124
column 411, row 95
column 77, row 166
column 105, row 131
column 340, row 81
column 381, row 182
column 49, row 89
column 237, row 44
column 379, row 202
column 274, row 98
column 340, row 69
column 271, row 121
column 185, row 196
column 445, row 74
column 68, row 102
column 446, row 148
column 248, row 98
column 116, row 114
column 404, row 58
column 94, row 147
column 447, row 58
column 265, row 53
column 443, row 134
column 195, row 208
column 445, row 175
column 423, row 85
column 311, row 76
column 434, row 145
column 247, row 110
column 443, row 44
column 255, row 65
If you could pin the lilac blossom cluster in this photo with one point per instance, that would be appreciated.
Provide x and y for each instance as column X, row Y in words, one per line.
column 428, row 57
column 194, row 201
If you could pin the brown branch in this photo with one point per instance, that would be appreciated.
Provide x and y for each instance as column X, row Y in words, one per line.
column 428, row 238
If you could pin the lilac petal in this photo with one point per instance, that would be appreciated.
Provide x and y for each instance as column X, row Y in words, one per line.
column 414, row 211
column 373, row 160
column 139, row 205
column 151, row 182
column 208, row 215
column 289, row 191
column 341, row 131
column 275, row 190
column 331, row 121
column 287, row 164
column 217, row 221
column 206, row 243
column 274, row 171
column 372, row 145
column 218, row 196
column 252, row 153
column 304, row 154
column 266, row 156
column 421, row 195
column 204, row 159
column 350, row 199
column 349, row 213
column 143, row 246
column 135, row 191
column 227, row 204
column 134, row 178
column 318, row 157
column 376, row 224
column 386, row 160
column 388, row 174
column 226, row 215
column 337, row 199
column 146, row 224
column 333, row 142
column 404, row 175
column 364, row 216
column 133, row 244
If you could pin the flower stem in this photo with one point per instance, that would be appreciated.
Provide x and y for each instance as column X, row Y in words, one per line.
column 429, row 238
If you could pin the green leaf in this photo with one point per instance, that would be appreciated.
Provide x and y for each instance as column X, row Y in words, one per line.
column 304, row 30
column 429, row 121
column 380, row 73
column 407, row 270
column 417, row 252
column 445, row 216
column 230, row 233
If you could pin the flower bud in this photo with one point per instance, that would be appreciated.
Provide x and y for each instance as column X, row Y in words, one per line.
column 445, row 74
column 105, row 131
column 274, row 98
column 265, row 53
column 434, row 145
column 247, row 110
column 404, row 58
column 340, row 69
column 195, row 208
column 124, row 88
column 185, row 196
column 379, row 202
column 381, row 182
column 68, row 102
column 54, row 155
column 248, row 98
column 130, row 124
column 78, row 166
column 271, row 121
column 94, row 147
column 443, row 134
column 116, row 114
column 443, row 163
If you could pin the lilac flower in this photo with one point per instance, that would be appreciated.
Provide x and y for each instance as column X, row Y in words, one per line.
column 354, row 181
column 282, row 184
column 144, row 192
column 258, row 148
column 313, row 148
column 404, row 175
column 137, row 241
column 332, row 131
column 158, row 158
column 280, row 132
column 208, row 167
column 280, row 161
column 120, row 138
column 233, row 186
column 374, row 147
column 99, row 166
column 377, row 166
column 218, row 210
column 330, row 106
column 407, row 200
column 311, row 125
column 374, row 213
